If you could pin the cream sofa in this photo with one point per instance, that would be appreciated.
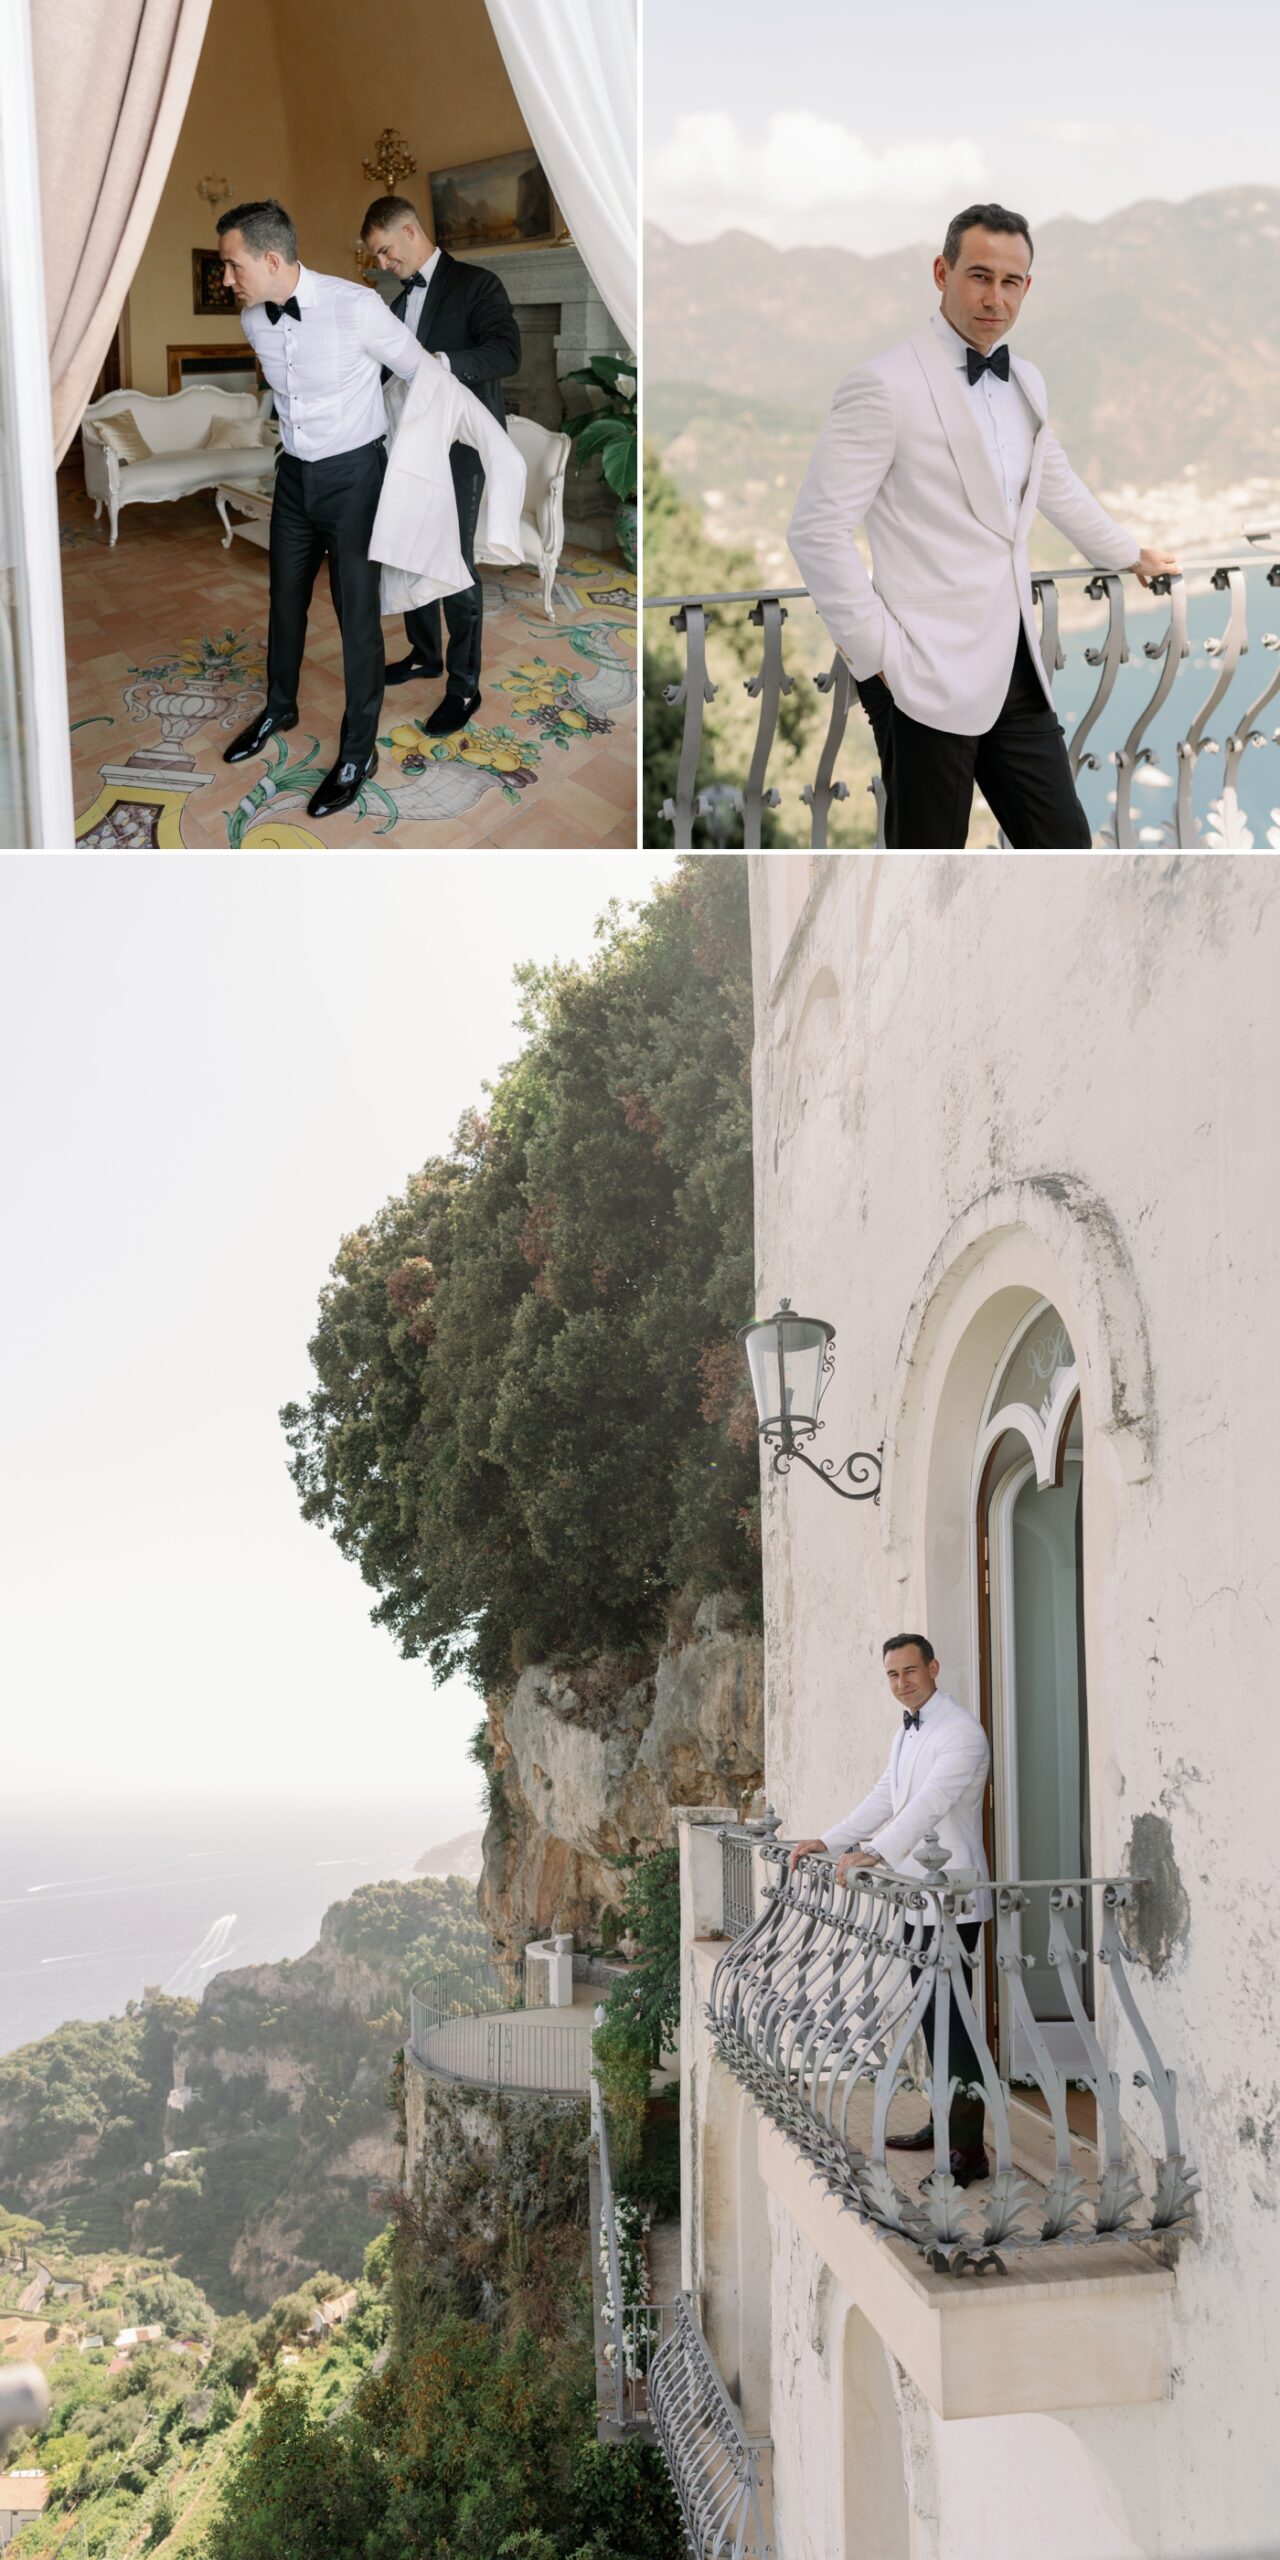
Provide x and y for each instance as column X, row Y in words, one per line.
column 546, row 460
column 180, row 460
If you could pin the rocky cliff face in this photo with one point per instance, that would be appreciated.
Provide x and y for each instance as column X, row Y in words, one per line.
column 589, row 1764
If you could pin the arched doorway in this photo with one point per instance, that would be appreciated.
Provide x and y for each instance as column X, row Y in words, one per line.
column 1028, row 1515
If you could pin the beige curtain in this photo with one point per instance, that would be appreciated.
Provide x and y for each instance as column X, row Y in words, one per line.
column 112, row 82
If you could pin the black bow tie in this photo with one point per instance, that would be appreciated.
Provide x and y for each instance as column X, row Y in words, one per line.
column 283, row 311
column 411, row 281
column 978, row 365
column 909, row 1719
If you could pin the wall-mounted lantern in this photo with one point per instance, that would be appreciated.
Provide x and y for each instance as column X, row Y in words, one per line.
column 791, row 1358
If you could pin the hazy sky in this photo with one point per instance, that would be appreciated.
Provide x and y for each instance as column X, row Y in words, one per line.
column 828, row 122
column 213, row 1069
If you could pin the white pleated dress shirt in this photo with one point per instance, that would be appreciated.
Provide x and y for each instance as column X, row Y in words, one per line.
column 418, row 296
column 1003, row 412
column 325, row 368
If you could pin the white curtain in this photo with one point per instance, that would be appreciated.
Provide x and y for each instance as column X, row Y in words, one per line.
column 112, row 84
column 573, row 65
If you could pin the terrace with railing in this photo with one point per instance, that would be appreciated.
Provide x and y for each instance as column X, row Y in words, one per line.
column 473, row 2026
column 1183, row 676
column 813, row 2009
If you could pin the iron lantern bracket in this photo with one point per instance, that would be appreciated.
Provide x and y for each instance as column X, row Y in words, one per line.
column 863, row 1467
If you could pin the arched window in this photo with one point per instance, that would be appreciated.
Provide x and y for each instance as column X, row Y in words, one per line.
column 1029, row 1525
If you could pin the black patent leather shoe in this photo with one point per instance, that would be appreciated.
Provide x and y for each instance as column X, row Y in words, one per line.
column 451, row 714
column 341, row 787
column 252, row 740
column 411, row 670
column 964, row 2166
column 920, row 2141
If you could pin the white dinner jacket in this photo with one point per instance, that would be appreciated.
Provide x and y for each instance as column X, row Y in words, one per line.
column 903, row 450
column 415, row 531
column 938, row 1781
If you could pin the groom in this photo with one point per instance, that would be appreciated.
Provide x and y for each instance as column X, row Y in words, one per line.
column 944, row 446
column 462, row 314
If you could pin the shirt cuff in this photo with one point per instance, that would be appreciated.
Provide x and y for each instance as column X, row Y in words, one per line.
column 443, row 359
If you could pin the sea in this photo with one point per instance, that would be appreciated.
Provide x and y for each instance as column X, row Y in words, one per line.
column 1155, row 790
column 98, row 1902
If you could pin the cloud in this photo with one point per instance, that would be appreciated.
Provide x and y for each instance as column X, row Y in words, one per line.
column 810, row 182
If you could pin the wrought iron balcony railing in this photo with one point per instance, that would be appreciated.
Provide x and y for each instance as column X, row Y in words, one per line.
column 768, row 613
column 714, row 2464
column 738, row 1869
column 813, row 2011
column 470, row 2027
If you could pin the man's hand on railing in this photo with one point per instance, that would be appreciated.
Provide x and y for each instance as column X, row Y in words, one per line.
column 1154, row 564
column 856, row 1858
column 806, row 1849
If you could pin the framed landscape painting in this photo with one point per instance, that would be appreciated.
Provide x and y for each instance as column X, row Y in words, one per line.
column 495, row 204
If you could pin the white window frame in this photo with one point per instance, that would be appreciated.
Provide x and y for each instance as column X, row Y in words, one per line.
column 24, row 356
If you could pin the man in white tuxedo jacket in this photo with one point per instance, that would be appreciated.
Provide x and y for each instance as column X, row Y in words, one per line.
column 943, row 446
column 936, row 1780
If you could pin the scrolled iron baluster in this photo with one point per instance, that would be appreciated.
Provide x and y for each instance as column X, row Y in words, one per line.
column 1113, row 655
column 695, row 690
column 1045, row 589
column 1246, row 733
column 1014, row 1963
column 818, row 795
column 1173, row 648
column 1161, row 2082
column 1230, row 647
column 1118, row 2189
column 768, row 685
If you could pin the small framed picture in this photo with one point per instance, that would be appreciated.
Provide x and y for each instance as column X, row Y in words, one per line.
column 211, row 299
column 495, row 204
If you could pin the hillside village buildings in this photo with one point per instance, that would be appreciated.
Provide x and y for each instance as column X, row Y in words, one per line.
column 1015, row 1140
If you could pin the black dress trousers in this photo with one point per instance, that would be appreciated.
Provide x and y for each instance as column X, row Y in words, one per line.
column 464, row 612
column 1020, row 765
column 326, row 509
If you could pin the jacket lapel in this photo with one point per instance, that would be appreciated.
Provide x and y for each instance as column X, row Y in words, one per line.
column 436, row 291
column 1030, row 495
column 962, row 432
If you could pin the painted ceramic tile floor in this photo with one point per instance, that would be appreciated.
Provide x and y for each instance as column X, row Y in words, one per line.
column 166, row 640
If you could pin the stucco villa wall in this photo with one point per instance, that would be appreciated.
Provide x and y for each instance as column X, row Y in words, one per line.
column 289, row 98
column 977, row 1083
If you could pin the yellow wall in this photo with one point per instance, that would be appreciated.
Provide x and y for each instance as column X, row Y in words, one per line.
column 290, row 97
column 235, row 127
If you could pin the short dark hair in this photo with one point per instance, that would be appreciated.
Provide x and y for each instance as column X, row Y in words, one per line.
column 892, row 1644
column 386, row 213
column 982, row 217
column 262, row 225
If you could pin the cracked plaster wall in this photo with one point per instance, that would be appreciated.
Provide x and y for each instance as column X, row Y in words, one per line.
column 977, row 1083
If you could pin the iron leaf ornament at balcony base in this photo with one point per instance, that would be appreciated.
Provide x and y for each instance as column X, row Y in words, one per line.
column 791, row 1358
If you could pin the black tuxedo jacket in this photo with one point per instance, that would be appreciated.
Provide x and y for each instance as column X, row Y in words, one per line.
column 467, row 316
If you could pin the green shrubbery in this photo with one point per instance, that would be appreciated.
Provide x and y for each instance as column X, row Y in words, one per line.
column 530, row 1426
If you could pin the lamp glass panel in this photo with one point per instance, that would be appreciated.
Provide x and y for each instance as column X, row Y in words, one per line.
column 785, row 1360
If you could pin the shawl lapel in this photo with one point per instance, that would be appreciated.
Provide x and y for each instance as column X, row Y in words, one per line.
column 963, row 434
column 435, row 295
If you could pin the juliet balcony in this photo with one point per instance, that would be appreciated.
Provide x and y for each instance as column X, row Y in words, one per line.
column 1047, row 2284
column 1164, row 699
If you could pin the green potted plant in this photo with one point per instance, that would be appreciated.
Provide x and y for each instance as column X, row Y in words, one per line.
column 612, row 432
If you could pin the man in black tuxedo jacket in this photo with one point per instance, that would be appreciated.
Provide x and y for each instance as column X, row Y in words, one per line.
column 463, row 315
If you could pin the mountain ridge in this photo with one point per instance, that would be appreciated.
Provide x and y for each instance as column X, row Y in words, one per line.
column 1158, row 329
